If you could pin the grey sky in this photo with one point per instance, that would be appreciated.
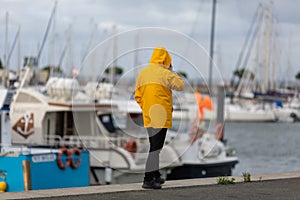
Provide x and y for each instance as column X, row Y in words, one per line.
column 191, row 17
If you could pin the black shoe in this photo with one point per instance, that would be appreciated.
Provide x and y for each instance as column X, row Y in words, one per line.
column 160, row 180
column 151, row 184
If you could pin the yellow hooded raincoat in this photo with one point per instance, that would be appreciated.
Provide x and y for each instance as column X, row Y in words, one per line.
column 154, row 87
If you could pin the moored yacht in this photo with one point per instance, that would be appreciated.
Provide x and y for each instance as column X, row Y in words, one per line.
column 199, row 150
column 63, row 115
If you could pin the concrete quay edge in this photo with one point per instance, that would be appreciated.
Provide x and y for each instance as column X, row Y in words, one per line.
column 101, row 189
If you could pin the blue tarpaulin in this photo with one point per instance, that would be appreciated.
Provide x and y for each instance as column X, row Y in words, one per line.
column 278, row 103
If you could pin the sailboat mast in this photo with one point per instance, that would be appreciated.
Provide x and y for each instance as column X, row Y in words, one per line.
column 52, row 46
column 287, row 79
column 69, row 55
column 5, row 73
column 274, row 57
column 257, row 59
column 113, row 67
column 5, row 41
column 19, row 50
column 267, row 44
column 211, row 52
column 136, row 56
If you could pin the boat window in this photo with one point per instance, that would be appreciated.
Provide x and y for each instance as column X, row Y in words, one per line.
column 135, row 123
column 84, row 123
column 181, row 122
column 107, row 122
column 64, row 124
column 69, row 123
column 120, row 120
column 129, row 122
column 59, row 129
column 137, row 118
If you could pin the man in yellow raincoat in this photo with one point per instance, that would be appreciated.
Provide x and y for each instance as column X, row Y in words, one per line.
column 153, row 93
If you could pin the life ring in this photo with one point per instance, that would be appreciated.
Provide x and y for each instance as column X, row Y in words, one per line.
column 131, row 146
column 76, row 152
column 219, row 131
column 60, row 163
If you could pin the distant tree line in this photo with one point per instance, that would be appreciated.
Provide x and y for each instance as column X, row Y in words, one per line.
column 119, row 71
column 55, row 69
column 183, row 74
column 240, row 72
column 298, row 76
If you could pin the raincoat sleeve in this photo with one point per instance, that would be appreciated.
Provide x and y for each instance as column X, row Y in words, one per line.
column 138, row 95
column 175, row 82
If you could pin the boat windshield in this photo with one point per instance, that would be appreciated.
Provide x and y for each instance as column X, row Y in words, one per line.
column 107, row 121
column 130, row 123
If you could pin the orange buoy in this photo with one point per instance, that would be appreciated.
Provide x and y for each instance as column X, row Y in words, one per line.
column 60, row 163
column 131, row 146
column 76, row 164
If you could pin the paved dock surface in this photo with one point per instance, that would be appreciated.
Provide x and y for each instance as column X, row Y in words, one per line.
column 276, row 186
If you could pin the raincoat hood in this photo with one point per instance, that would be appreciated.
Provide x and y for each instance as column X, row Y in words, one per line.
column 161, row 56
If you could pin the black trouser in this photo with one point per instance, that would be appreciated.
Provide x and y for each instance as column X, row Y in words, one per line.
column 156, row 138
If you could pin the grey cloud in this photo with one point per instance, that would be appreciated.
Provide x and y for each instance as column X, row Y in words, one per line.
column 191, row 17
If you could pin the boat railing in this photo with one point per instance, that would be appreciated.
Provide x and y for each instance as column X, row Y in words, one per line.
column 102, row 142
column 54, row 140
column 89, row 141
column 25, row 149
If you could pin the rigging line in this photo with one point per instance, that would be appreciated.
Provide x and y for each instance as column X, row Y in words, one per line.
column 13, row 45
column 62, row 56
column 249, row 50
column 193, row 29
column 252, row 43
column 279, row 41
column 192, row 32
column 245, row 44
column 93, row 33
column 46, row 32
column 65, row 49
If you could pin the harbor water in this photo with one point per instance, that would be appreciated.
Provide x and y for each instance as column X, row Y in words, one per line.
column 265, row 148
